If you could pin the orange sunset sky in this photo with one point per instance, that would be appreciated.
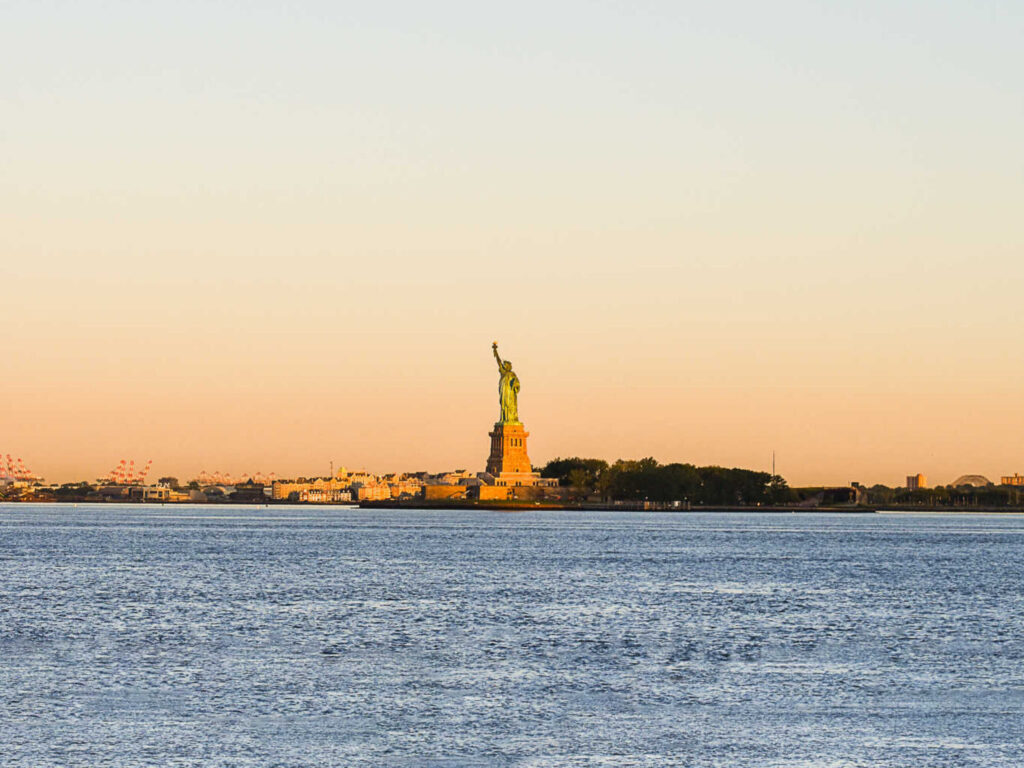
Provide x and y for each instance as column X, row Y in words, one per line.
column 247, row 237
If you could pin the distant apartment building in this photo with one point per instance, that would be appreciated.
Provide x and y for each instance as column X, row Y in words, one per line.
column 374, row 492
column 1014, row 480
column 365, row 486
column 321, row 496
column 405, row 487
column 358, row 486
column 349, row 478
column 284, row 490
column 916, row 482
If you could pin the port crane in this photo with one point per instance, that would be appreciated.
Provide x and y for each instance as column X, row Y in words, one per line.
column 15, row 469
column 125, row 474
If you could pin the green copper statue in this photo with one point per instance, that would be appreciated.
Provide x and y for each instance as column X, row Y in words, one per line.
column 508, row 390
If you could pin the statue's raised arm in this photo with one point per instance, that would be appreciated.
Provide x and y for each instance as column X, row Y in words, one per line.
column 497, row 357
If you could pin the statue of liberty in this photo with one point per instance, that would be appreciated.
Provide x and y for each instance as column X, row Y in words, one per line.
column 508, row 390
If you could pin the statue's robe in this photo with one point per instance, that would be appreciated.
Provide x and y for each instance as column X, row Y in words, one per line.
column 508, row 393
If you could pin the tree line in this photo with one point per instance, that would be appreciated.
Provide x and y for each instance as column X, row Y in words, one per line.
column 990, row 495
column 648, row 480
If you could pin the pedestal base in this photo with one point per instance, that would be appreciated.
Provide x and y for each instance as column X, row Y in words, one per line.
column 509, row 462
column 508, row 451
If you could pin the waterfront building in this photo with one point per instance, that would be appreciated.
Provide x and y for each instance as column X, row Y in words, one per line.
column 283, row 489
column 1014, row 480
column 371, row 492
column 916, row 482
column 156, row 493
column 345, row 486
column 321, row 496
column 405, row 487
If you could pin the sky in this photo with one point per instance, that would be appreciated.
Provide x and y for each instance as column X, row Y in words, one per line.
column 268, row 236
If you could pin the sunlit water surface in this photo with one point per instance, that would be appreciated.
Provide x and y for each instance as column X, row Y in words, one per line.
column 250, row 636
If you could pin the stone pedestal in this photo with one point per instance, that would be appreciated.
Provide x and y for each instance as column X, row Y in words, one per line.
column 509, row 462
column 508, row 451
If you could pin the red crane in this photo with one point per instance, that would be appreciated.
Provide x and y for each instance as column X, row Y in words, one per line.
column 14, row 469
column 116, row 475
column 124, row 473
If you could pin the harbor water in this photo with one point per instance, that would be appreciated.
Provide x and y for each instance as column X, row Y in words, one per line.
column 301, row 636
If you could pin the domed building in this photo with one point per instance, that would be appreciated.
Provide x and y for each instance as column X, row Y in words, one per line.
column 975, row 481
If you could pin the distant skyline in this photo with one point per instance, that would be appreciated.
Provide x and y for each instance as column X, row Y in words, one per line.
column 268, row 236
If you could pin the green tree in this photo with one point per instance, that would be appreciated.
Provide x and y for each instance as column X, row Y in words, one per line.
column 561, row 468
column 580, row 482
column 779, row 492
column 647, row 480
